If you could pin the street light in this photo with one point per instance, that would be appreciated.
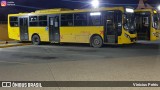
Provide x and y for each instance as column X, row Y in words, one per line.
column 129, row 10
column 158, row 7
column 95, row 3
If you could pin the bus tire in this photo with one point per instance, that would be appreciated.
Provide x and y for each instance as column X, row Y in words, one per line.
column 96, row 41
column 36, row 40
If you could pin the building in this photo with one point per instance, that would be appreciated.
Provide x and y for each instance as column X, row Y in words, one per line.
column 144, row 5
column 3, row 31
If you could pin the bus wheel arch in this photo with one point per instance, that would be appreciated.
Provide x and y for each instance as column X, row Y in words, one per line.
column 36, row 40
column 96, row 41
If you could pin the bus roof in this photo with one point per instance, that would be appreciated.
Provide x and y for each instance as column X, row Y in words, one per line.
column 145, row 10
column 65, row 10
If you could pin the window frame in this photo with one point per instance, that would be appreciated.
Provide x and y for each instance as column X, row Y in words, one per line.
column 36, row 21
column 43, row 20
column 67, row 20
column 90, row 22
column 82, row 20
column 14, row 21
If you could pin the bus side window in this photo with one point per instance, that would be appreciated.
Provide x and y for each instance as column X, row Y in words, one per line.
column 67, row 20
column 43, row 20
column 14, row 21
column 80, row 19
column 95, row 19
column 33, row 20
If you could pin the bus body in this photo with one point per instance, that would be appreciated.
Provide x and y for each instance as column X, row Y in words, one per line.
column 147, row 24
column 94, row 26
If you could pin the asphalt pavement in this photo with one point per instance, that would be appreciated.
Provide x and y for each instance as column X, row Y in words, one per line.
column 79, row 62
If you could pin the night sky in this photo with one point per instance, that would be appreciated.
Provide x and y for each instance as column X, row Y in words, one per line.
column 32, row 5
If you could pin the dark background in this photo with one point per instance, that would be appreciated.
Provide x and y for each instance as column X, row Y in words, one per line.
column 32, row 5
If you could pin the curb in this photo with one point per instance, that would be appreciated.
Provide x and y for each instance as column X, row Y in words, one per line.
column 23, row 44
column 6, row 42
column 2, row 42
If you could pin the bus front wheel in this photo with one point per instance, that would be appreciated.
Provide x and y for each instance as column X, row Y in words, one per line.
column 96, row 41
column 36, row 40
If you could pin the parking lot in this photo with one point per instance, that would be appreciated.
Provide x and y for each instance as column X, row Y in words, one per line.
column 77, row 62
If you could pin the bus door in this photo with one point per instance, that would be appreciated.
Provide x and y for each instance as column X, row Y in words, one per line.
column 110, row 28
column 24, row 29
column 54, row 33
column 143, row 26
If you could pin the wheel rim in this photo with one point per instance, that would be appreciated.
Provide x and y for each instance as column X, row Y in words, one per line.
column 96, row 41
column 35, row 40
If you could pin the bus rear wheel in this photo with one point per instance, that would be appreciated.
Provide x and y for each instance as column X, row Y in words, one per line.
column 96, row 41
column 36, row 40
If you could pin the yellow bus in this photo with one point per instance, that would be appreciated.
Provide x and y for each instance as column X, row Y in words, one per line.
column 147, row 24
column 158, row 30
column 113, row 25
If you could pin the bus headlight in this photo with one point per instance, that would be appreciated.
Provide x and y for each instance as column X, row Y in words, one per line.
column 127, row 36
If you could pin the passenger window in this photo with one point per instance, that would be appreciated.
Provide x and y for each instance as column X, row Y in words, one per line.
column 80, row 19
column 14, row 21
column 43, row 21
column 67, row 20
column 33, row 20
column 95, row 19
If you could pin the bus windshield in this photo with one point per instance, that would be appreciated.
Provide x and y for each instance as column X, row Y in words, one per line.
column 129, row 22
column 156, row 21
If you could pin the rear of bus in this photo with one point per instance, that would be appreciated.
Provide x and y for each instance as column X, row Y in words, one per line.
column 13, row 27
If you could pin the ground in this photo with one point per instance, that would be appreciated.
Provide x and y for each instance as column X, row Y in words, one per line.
column 76, row 62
